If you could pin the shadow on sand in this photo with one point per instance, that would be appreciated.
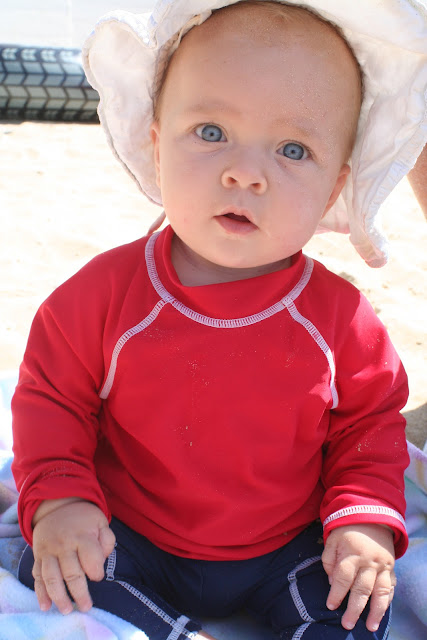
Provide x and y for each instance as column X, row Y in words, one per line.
column 416, row 429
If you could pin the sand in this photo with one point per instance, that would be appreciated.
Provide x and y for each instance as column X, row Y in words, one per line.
column 64, row 198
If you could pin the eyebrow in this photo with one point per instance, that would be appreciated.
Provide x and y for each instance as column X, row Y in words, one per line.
column 212, row 105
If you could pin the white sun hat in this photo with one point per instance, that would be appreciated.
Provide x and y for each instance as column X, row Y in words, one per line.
column 126, row 54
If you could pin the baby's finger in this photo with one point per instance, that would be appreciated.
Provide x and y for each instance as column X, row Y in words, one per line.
column 381, row 597
column 75, row 579
column 329, row 557
column 54, row 583
column 107, row 540
column 359, row 595
column 393, row 582
column 341, row 581
column 92, row 559
column 44, row 601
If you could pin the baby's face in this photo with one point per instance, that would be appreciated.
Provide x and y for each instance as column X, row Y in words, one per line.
column 252, row 137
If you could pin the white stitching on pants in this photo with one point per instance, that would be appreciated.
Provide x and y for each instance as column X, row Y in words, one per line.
column 178, row 628
column 293, row 588
column 155, row 609
column 300, row 631
column 111, row 566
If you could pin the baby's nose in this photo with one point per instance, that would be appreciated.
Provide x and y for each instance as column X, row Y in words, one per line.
column 245, row 170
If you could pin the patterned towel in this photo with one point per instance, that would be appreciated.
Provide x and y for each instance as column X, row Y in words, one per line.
column 410, row 603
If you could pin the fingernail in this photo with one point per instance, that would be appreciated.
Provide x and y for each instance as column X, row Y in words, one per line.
column 349, row 626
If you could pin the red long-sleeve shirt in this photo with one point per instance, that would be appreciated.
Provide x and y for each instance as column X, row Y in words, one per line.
column 218, row 420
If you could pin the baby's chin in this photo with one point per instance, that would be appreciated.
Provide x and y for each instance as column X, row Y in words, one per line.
column 217, row 264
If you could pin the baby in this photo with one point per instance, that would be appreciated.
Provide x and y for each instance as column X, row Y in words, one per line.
column 207, row 420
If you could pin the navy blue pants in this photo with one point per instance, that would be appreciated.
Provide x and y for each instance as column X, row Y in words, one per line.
column 164, row 595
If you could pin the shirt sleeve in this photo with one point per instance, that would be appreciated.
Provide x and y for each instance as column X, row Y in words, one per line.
column 56, row 404
column 365, row 452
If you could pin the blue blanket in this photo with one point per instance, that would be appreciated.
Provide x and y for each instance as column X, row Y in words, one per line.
column 20, row 617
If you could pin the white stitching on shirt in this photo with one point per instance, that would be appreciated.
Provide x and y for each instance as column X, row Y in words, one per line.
column 287, row 302
column 121, row 343
column 227, row 324
column 303, row 281
column 364, row 508
column 319, row 340
column 218, row 323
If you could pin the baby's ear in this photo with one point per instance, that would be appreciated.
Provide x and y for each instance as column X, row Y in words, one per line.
column 155, row 139
column 339, row 185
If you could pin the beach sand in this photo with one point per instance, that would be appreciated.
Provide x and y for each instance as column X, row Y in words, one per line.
column 64, row 198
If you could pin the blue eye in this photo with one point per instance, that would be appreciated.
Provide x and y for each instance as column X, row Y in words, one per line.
column 293, row 151
column 210, row 132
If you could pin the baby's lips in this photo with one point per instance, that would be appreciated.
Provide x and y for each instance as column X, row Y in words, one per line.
column 238, row 214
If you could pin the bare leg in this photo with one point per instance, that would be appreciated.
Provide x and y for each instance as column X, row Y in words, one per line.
column 418, row 180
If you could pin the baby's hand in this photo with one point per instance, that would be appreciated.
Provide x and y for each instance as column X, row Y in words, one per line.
column 71, row 540
column 360, row 559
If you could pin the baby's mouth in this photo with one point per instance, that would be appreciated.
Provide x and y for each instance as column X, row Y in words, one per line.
column 234, row 216
column 236, row 223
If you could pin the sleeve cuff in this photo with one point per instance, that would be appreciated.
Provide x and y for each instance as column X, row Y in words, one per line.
column 370, row 514
column 68, row 482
